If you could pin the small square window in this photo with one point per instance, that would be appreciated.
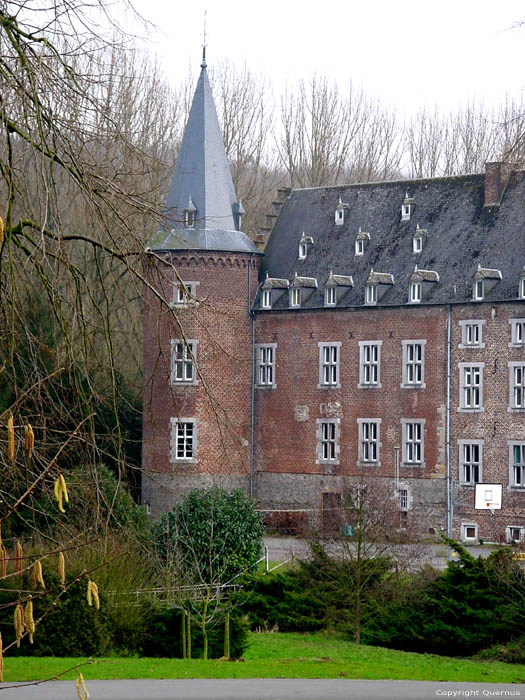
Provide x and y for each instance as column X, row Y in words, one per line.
column 469, row 532
column 370, row 294
column 184, row 293
column 515, row 534
column 471, row 334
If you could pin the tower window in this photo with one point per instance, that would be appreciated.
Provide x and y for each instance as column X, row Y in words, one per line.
column 418, row 244
column 360, row 247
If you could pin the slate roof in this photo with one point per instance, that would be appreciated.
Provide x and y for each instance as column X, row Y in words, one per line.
column 460, row 234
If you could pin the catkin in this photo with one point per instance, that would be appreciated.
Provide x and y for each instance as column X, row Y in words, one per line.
column 11, row 438
column 3, row 562
column 81, row 687
column 29, row 440
column 92, row 594
column 29, row 620
column 1, row 230
column 61, row 492
column 62, row 569
column 19, row 623
column 37, row 575
column 18, row 557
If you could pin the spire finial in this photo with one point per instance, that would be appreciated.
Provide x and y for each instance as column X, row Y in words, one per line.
column 203, row 64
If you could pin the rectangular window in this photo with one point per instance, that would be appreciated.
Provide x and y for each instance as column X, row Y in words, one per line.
column 521, row 289
column 368, row 441
column 418, row 244
column 479, row 290
column 370, row 294
column 267, row 299
column 183, row 358
column 469, row 531
column 183, row 441
column 515, row 533
column 517, row 463
column 329, row 365
column 415, row 292
column 471, row 386
column 265, row 365
column 370, row 364
column 413, row 364
column 403, row 499
column 471, row 334
column 517, row 332
column 516, row 386
column 295, row 296
column 470, row 461
column 330, row 296
column 413, row 441
column 303, row 250
column 184, row 293
column 328, row 431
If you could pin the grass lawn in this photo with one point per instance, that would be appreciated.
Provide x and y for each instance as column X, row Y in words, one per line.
column 314, row 655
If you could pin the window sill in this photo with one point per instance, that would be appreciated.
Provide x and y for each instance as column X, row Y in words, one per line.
column 359, row 463
column 182, row 462
column 517, row 345
column 328, row 386
column 266, row 386
column 413, row 465
column 473, row 346
column 184, row 384
column 516, row 409
column 370, row 386
column 471, row 410
column 327, row 462
column 414, row 386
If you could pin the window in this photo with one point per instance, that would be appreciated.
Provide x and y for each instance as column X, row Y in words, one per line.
column 515, row 533
column 295, row 296
column 328, row 431
column 413, row 435
column 267, row 299
column 405, row 212
column 517, row 464
column 189, row 218
column 330, row 296
column 470, row 461
column 368, row 441
column 479, row 290
column 469, row 531
column 413, row 364
column 471, row 334
column 471, row 386
column 516, row 386
column 370, row 294
column 370, row 364
column 329, row 365
column 339, row 216
column 517, row 332
column 521, row 288
column 418, row 244
column 403, row 499
column 265, row 365
column 183, row 441
column 303, row 251
column 184, row 293
column 359, row 247
column 183, row 356
column 415, row 293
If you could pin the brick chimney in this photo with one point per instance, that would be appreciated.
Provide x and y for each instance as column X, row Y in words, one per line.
column 497, row 176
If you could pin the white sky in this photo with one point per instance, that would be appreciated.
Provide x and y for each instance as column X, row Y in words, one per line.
column 409, row 53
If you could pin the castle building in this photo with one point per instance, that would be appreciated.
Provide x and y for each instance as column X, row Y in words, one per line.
column 381, row 334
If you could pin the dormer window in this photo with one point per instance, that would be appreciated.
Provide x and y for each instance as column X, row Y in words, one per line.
column 479, row 290
column 295, row 296
column 371, row 294
column 415, row 293
column 484, row 280
column 407, row 207
column 360, row 247
column 330, row 296
column 521, row 285
column 417, row 241
column 266, row 299
column 303, row 246
column 189, row 215
column 418, row 245
column 340, row 212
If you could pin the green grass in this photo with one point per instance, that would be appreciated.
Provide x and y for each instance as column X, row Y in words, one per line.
column 315, row 655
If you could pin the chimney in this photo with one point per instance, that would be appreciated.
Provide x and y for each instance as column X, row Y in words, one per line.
column 497, row 176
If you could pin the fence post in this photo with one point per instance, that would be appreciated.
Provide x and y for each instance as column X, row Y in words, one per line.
column 266, row 558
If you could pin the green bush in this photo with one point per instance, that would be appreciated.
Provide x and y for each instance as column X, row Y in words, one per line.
column 511, row 653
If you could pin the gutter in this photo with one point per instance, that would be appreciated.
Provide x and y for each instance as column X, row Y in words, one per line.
column 450, row 501
column 252, row 389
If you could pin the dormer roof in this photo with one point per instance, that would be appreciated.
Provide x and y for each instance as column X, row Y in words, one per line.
column 303, row 282
column 485, row 273
column 424, row 275
column 379, row 278
column 339, row 280
column 275, row 283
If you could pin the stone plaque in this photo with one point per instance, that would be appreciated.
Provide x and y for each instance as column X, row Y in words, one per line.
column 301, row 413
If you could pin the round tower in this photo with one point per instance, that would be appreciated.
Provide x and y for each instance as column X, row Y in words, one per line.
column 201, row 280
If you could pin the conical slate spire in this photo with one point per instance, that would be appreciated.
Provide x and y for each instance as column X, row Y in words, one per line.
column 202, row 172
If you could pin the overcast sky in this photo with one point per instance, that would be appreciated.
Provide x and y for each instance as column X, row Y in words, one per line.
column 410, row 53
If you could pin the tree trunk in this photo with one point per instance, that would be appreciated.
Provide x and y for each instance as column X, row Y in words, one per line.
column 184, row 649
column 227, row 636
column 188, row 639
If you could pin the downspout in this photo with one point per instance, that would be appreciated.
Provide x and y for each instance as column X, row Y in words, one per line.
column 252, row 384
column 450, row 498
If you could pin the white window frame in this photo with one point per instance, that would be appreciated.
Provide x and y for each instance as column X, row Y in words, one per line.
column 415, row 293
column 470, row 392
column 471, row 334
column 295, row 297
column 403, row 499
column 339, row 216
column 413, row 442
column 478, row 290
column 413, row 366
column 359, row 246
column 406, row 211
column 464, row 527
column 329, row 365
column 187, row 360
column 370, row 294
column 521, row 288
column 328, row 440
column 266, row 300
column 265, row 354
column 369, row 442
column 466, row 460
column 183, row 434
column 370, row 366
column 303, row 251
column 330, row 296
column 417, row 244
column 516, row 386
column 516, row 468
column 184, row 294
column 521, row 534
column 189, row 218
column 517, row 332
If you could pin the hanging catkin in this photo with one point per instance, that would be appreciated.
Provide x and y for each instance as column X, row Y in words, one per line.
column 11, row 438
column 18, row 557
column 29, row 441
column 29, row 620
column 62, row 569
column 19, row 623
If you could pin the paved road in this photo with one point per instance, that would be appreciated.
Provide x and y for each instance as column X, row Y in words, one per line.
column 283, row 548
column 263, row 689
